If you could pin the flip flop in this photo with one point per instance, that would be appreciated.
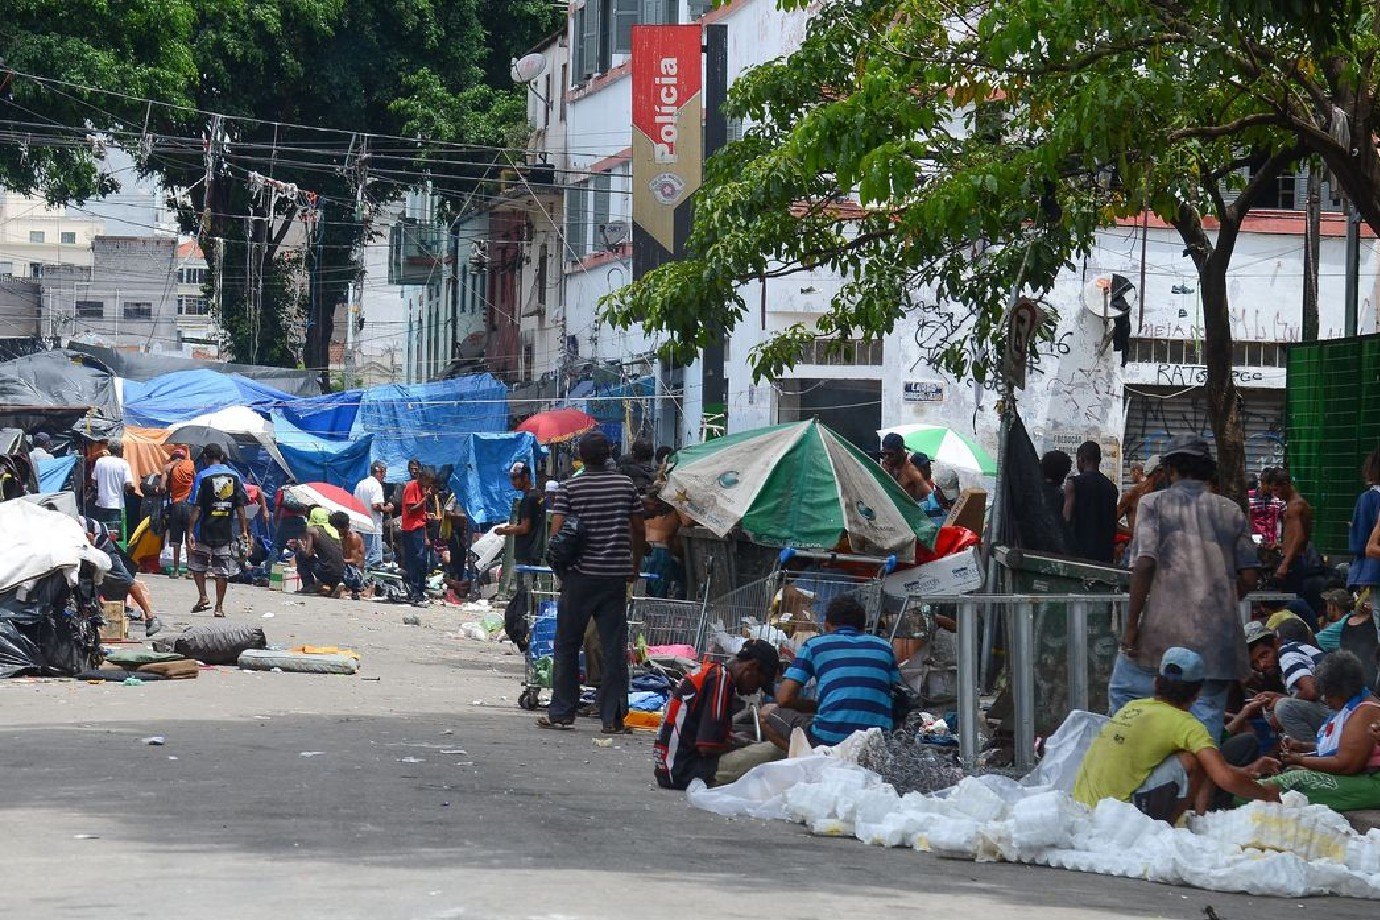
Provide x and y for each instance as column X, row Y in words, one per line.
column 548, row 722
column 201, row 606
column 615, row 730
column 219, row 613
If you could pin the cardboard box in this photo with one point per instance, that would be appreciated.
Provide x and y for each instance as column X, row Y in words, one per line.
column 970, row 511
column 116, row 628
column 291, row 580
column 960, row 573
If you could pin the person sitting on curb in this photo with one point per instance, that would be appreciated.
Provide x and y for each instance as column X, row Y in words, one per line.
column 853, row 673
column 1352, row 627
column 1340, row 768
column 1301, row 713
column 352, row 550
column 697, row 734
column 1156, row 755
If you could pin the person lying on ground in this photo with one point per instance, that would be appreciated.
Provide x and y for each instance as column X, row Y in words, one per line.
column 1299, row 712
column 352, row 551
column 320, row 558
column 1341, row 767
column 1156, row 755
column 120, row 581
column 696, row 737
column 853, row 674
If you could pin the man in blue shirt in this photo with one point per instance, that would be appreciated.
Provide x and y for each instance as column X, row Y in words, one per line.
column 853, row 674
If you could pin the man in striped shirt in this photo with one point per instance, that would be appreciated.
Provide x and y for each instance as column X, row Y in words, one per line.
column 609, row 510
column 853, row 674
column 1300, row 714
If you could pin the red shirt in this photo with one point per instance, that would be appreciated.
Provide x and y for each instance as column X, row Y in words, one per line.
column 413, row 495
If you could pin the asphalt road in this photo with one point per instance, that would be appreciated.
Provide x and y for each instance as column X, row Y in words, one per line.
column 418, row 789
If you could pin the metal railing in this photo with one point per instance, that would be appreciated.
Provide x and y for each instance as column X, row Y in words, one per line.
column 975, row 608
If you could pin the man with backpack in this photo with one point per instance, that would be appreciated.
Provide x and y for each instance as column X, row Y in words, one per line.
column 594, row 581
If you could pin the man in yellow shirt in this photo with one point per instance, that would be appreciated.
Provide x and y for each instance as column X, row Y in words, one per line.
column 1157, row 756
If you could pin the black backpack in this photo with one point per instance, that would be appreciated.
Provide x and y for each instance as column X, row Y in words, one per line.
column 566, row 546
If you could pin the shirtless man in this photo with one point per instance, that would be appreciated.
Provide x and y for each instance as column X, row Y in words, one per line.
column 1294, row 568
column 896, row 462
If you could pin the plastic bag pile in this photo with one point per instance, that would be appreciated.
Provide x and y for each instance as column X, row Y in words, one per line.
column 1291, row 849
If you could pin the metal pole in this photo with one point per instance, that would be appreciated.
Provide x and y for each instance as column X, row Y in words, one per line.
column 1077, row 638
column 1023, row 683
column 967, row 686
column 1353, row 268
column 1310, row 256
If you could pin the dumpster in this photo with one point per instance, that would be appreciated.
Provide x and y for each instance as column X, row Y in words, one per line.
column 1042, row 573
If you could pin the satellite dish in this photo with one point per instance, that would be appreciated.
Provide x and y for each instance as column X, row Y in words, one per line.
column 1099, row 293
column 526, row 69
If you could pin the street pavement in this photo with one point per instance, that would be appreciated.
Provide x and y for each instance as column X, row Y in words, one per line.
column 418, row 789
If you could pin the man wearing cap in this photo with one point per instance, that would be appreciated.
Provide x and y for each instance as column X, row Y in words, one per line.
column 39, row 452
column 1159, row 757
column 896, row 462
column 529, row 514
column 1192, row 556
column 697, row 732
column 178, row 475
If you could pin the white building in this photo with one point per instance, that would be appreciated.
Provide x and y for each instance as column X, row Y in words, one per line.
column 34, row 234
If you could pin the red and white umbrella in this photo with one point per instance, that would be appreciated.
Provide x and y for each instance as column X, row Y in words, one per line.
column 333, row 498
column 558, row 425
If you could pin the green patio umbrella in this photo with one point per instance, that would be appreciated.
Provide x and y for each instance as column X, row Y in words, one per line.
column 799, row 484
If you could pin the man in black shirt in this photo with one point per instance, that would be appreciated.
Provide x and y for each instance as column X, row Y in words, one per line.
column 1090, row 507
column 528, row 519
column 609, row 510
column 218, row 497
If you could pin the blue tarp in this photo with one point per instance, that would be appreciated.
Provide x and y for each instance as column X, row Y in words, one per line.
column 316, row 459
column 183, row 395
column 480, row 476
column 53, row 475
column 331, row 416
column 427, row 420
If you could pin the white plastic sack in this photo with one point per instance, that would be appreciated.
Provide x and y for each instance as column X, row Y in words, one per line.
column 1045, row 820
column 760, row 792
column 1064, row 751
column 487, row 547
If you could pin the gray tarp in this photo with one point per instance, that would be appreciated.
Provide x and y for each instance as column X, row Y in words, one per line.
column 141, row 366
column 59, row 392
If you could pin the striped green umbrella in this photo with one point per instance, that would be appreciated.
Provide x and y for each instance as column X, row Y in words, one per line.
column 799, row 485
column 947, row 447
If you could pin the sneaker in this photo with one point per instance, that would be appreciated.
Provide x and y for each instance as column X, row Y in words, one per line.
column 153, row 627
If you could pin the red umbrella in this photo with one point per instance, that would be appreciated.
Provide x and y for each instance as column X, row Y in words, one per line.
column 558, row 425
column 333, row 498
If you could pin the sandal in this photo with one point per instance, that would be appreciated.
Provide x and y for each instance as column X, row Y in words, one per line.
column 219, row 613
column 548, row 722
column 201, row 606
column 619, row 729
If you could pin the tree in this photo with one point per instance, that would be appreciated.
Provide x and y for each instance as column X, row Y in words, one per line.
column 942, row 158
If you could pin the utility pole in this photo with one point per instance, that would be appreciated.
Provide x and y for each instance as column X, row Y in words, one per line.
column 1353, row 268
column 359, row 178
column 1311, row 247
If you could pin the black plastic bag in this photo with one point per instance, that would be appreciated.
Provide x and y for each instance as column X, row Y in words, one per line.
column 46, row 633
column 566, row 545
column 515, row 618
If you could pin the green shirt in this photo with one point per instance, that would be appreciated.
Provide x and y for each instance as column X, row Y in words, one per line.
column 1132, row 745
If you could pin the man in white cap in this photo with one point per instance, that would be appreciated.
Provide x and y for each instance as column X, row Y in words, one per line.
column 528, row 518
column 1157, row 756
column 1192, row 558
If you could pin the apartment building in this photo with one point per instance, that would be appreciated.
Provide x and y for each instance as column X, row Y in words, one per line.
column 34, row 234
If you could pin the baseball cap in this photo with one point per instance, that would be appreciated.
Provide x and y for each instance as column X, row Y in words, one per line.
column 762, row 652
column 43, row 439
column 1279, row 616
column 552, row 487
column 518, row 469
column 1257, row 631
column 1187, row 447
column 1182, row 664
column 893, row 441
column 1341, row 597
column 179, row 453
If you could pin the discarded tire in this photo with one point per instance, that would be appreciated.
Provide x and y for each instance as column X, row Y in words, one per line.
column 268, row 659
column 218, row 643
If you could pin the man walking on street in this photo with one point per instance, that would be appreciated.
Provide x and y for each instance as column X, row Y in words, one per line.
column 595, row 587
column 1090, row 507
column 369, row 493
column 219, row 498
column 1192, row 558
column 113, row 478
column 416, row 496
column 178, row 476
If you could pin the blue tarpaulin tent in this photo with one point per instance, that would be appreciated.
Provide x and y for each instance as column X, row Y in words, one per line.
column 56, row 474
column 427, row 420
column 331, row 416
column 177, row 397
column 480, row 476
column 316, row 459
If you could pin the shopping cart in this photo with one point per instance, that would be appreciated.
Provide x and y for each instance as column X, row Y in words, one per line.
column 543, row 594
column 658, row 622
column 815, row 581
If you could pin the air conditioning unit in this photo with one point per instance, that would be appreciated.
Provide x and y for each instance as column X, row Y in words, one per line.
column 612, row 234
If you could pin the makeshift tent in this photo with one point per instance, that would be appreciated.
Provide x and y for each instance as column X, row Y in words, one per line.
column 425, row 420
column 242, row 422
column 331, row 416
column 56, row 474
column 35, row 541
column 333, row 499
column 143, row 366
column 146, row 450
column 480, row 476
column 61, row 392
column 316, row 459
column 181, row 396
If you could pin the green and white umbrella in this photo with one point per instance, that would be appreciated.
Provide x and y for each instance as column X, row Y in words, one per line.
column 796, row 485
column 946, row 447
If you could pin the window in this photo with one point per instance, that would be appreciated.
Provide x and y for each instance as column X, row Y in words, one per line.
column 603, row 28
column 699, row 7
column 542, row 255
column 192, row 275
column 90, row 309
column 577, row 221
column 6, row 269
column 191, row 305
column 850, row 353
column 35, row 269
column 138, row 309
column 69, row 238
column 603, row 187
column 37, row 236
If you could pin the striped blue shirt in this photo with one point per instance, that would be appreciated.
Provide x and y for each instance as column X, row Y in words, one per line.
column 854, row 674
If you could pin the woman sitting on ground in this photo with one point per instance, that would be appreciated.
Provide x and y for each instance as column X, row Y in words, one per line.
column 1342, row 768
column 320, row 557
